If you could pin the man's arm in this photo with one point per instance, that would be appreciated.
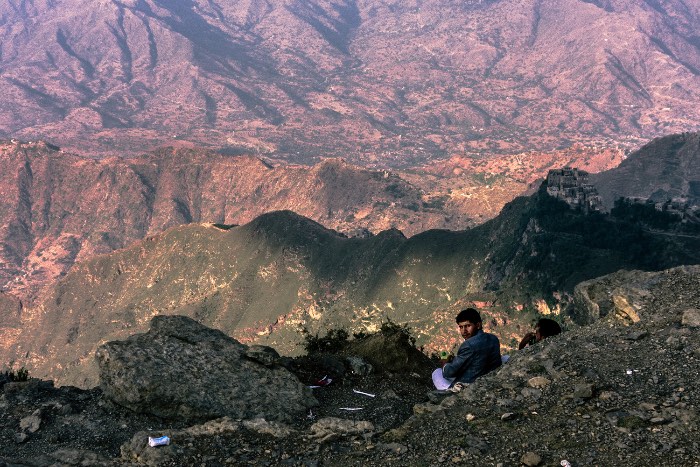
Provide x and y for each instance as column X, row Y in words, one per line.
column 461, row 361
column 527, row 340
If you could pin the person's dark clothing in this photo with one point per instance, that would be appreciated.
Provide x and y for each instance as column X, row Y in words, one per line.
column 476, row 356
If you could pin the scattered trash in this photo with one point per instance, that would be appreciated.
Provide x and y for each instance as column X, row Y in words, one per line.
column 363, row 393
column 325, row 381
column 311, row 415
column 630, row 372
column 565, row 463
column 161, row 441
column 471, row 417
column 351, row 409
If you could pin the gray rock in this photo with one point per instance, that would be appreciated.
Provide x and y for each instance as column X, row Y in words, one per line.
column 691, row 318
column 427, row 407
column 358, row 366
column 531, row 393
column 437, row 396
column 390, row 394
column 262, row 426
column 584, row 391
column 538, row 382
column 32, row 423
column 21, row 438
column 530, row 459
column 395, row 448
column 331, row 427
column 183, row 370
column 636, row 335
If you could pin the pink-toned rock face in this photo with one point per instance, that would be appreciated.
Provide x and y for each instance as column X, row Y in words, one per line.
column 373, row 82
column 57, row 208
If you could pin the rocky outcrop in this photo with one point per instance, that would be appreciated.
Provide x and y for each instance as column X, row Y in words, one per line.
column 183, row 370
column 620, row 294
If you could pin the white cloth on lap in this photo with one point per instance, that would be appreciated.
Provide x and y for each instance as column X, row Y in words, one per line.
column 440, row 382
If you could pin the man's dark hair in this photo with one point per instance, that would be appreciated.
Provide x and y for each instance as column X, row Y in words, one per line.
column 470, row 314
column 548, row 327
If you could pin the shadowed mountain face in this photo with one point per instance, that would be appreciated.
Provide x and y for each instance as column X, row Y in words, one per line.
column 372, row 81
column 267, row 280
column 57, row 208
column 665, row 168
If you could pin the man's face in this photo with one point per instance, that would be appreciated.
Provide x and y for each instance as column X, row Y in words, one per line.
column 538, row 335
column 467, row 329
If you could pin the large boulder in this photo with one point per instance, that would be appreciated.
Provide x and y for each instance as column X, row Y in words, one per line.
column 185, row 371
column 390, row 350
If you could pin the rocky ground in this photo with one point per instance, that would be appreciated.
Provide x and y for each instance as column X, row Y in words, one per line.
column 621, row 391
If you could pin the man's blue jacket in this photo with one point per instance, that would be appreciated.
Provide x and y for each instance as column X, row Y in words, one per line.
column 476, row 356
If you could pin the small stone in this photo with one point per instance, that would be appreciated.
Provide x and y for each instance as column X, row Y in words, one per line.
column 636, row 335
column 658, row 421
column 30, row 424
column 390, row 394
column 508, row 416
column 438, row 396
column 21, row 438
column 538, row 382
column 471, row 417
column 531, row 393
column 262, row 426
column 583, row 391
column 358, row 366
column 428, row 407
column 691, row 318
column 531, row 459
column 396, row 448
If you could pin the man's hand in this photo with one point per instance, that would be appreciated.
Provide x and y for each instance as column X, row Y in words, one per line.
column 445, row 361
column 527, row 340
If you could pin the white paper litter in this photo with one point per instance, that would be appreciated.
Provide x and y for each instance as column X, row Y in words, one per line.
column 364, row 393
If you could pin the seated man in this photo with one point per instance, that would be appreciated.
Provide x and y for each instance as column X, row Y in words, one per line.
column 544, row 328
column 479, row 353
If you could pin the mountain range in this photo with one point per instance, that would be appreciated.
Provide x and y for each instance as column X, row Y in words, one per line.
column 282, row 276
column 57, row 208
column 380, row 83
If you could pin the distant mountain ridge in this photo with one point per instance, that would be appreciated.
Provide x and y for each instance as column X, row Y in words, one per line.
column 381, row 84
column 666, row 168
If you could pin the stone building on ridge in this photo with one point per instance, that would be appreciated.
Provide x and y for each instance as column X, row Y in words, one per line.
column 571, row 185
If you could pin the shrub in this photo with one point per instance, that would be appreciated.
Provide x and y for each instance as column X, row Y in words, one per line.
column 334, row 341
column 22, row 374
